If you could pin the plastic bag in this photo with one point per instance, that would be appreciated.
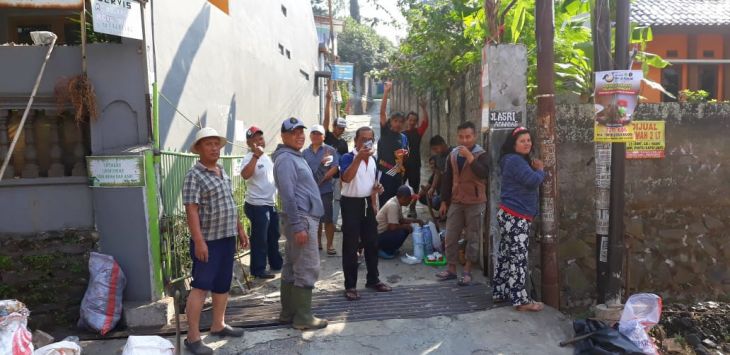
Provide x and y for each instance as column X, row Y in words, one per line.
column 15, row 338
column 101, row 307
column 427, row 240
column 641, row 313
column 418, row 243
column 601, row 340
column 148, row 345
column 435, row 238
column 60, row 348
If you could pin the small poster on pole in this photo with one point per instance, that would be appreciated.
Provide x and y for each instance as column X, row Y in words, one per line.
column 615, row 98
column 120, row 18
column 650, row 141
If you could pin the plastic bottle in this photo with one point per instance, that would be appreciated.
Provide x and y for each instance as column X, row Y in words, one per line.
column 427, row 239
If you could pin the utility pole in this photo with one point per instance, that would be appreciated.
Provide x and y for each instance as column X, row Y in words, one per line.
column 601, row 30
column 618, row 175
column 546, row 143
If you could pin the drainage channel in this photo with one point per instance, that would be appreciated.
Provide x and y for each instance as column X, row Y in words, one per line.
column 404, row 302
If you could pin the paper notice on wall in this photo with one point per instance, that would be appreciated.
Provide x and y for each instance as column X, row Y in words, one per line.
column 239, row 133
column 120, row 18
column 650, row 141
column 615, row 98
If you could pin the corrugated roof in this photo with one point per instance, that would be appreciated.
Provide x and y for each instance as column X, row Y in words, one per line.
column 681, row 12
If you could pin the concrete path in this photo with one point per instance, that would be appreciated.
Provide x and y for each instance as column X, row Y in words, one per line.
column 497, row 331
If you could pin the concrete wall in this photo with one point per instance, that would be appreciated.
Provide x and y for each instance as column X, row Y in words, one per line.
column 222, row 67
column 677, row 209
column 45, row 204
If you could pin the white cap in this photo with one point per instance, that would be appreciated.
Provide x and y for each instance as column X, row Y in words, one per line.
column 205, row 133
column 317, row 128
column 341, row 122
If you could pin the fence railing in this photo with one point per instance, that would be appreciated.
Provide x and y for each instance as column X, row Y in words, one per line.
column 174, row 233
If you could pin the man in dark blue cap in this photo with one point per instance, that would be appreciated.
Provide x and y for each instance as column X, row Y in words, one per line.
column 301, row 209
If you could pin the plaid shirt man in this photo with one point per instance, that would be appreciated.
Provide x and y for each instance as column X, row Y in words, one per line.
column 214, row 197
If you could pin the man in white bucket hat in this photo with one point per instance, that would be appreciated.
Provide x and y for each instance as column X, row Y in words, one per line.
column 214, row 224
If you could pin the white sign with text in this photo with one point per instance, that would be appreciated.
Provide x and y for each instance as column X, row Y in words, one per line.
column 118, row 17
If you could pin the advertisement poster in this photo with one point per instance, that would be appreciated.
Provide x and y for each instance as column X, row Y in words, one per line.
column 615, row 98
column 650, row 141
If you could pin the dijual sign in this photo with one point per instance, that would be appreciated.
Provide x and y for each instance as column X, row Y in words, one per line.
column 118, row 17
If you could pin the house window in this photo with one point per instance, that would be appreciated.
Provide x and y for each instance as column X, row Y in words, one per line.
column 708, row 79
column 708, row 54
column 672, row 54
column 283, row 10
column 304, row 74
column 281, row 49
column 670, row 81
column 288, row 54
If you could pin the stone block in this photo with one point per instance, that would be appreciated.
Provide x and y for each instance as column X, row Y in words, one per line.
column 712, row 223
column 608, row 314
column 574, row 249
column 41, row 339
column 149, row 314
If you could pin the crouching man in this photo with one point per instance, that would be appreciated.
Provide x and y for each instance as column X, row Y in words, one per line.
column 393, row 229
column 301, row 208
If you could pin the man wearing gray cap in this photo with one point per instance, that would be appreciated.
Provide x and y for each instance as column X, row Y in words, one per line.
column 301, row 209
column 324, row 162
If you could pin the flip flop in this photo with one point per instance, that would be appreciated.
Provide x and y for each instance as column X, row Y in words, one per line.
column 380, row 287
column 352, row 295
column 465, row 279
column 530, row 307
column 446, row 275
column 331, row 252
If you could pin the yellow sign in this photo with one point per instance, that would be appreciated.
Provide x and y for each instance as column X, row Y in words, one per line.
column 613, row 134
column 650, row 141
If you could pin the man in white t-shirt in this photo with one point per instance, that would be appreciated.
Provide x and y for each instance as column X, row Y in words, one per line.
column 260, row 207
column 360, row 189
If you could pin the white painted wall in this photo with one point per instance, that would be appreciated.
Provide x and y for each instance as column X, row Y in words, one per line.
column 225, row 67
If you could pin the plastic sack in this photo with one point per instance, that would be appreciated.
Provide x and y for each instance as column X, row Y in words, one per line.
column 641, row 313
column 15, row 338
column 418, row 243
column 435, row 238
column 60, row 348
column 601, row 339
column 101, row 307
column 148, row 345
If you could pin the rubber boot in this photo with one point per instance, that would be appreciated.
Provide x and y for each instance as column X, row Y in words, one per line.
column 287, row 312
column 301, row 300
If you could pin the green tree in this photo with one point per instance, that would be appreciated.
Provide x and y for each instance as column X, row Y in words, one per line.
column 361, row 45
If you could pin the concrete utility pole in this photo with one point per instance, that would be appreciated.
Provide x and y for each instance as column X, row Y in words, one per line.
column 618, row 153
column 601, row 31
column 546, row 143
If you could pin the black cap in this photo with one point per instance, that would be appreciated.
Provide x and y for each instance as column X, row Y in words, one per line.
column 291, row 124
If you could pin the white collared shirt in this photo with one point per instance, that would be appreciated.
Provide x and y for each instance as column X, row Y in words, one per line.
column 363, row 182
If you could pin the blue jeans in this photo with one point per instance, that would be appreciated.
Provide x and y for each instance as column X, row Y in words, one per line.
column 264, row 238
column 391, row 241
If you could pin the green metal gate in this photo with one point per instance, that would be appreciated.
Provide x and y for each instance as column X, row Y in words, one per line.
column 174, row 233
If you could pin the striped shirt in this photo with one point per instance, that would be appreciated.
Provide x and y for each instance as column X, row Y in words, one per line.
column 214, row 197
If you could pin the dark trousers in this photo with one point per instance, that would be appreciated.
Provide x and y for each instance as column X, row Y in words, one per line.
column 413, row 175
column 390, row 186
column 358, row 225
column 264, row 238
column 391, row 241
